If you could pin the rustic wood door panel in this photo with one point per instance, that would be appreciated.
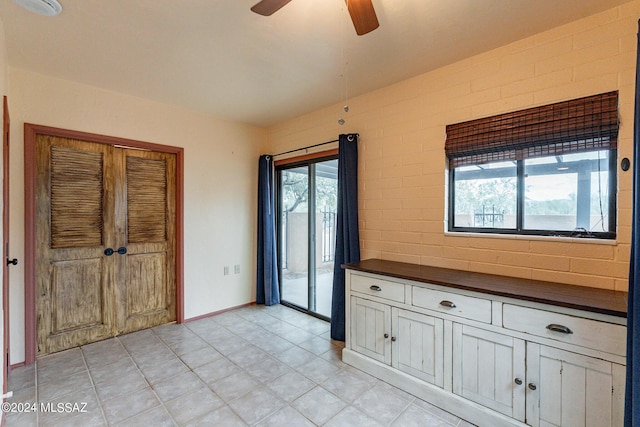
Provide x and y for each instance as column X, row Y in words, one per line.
column 91, row 197
column 77, row 292
column 147, row 285
column 74, row 203
column 144, row 302
column 145, row 293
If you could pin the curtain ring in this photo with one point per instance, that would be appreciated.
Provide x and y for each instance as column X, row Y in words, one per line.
column 267, row 157
column 350, row 137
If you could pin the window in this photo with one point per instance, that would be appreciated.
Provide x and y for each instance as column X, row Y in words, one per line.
column 547, row 170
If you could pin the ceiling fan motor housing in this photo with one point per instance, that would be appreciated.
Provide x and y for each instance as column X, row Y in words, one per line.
column 41, row 7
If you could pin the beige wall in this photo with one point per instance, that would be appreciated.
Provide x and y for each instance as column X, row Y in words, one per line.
column 402, row 165
column 220, row 162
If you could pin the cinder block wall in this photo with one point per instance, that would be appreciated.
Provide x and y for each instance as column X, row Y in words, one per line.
column 402, row 166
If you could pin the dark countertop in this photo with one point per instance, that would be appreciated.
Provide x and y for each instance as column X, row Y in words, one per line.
column 570, row 296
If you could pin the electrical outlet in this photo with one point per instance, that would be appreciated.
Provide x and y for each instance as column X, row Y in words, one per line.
column 236, row 269
column 226, row 270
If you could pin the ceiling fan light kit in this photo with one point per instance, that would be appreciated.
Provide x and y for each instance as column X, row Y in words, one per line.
column 41, row 7
column 362, row 13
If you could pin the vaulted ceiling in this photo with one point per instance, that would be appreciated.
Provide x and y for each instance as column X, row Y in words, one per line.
column 219, row 58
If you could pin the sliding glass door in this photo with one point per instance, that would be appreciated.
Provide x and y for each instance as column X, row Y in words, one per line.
column 307, row 198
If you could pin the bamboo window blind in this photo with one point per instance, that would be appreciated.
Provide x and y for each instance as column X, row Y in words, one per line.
column 584, row 124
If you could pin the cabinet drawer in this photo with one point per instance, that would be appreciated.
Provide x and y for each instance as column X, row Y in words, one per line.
column 569, row 329
column 376, row 287
column 463, row 306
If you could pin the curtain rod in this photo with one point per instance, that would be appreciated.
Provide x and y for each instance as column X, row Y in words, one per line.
column 310, row 146
column 305, row 148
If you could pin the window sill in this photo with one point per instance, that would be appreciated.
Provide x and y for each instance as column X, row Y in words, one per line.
column 611, row 242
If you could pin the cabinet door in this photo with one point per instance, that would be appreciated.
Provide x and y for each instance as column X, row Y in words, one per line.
column 572, row 389
column 418, row 347
column 370, row 322
column 485, row 368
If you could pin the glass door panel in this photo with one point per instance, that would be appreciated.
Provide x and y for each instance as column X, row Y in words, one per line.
column 307, row 234
column 326, row 193
column 294, row 235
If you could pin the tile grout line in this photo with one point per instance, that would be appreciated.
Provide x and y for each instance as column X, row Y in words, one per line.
column 148, row 383
column 317, row 384
column 270, row 355
column 409, row 403
column 93, row 386
column 225, row 357
column 241, row 368
column 191, row 370
column 288, row 404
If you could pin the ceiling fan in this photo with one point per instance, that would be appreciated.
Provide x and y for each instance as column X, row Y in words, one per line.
column 362, row 13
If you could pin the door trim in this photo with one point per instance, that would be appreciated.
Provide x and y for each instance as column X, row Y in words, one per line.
column 5, row 243
column 309, row 161
column 31, row 132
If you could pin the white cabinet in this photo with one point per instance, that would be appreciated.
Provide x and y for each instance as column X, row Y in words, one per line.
column 487, row 368
column 410, row 342
column 570, row 389
column 418, row 346
column 493, row 360
column 371, row 329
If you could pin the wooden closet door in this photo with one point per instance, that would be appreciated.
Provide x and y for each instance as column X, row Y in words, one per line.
column 145, row 227
column 75, row 222
column 105, row 255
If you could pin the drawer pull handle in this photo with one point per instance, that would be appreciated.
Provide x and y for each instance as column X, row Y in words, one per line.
column 518, row 381
column 375, row 288
column 559, row 328
column 446, row 303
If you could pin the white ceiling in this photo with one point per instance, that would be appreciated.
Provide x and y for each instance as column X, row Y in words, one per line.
column 219, row 58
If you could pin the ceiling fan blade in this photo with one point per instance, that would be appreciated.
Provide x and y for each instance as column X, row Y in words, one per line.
column 363, row 16
column 268, row 7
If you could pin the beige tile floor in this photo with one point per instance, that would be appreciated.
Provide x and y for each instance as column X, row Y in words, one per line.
column 257, row 366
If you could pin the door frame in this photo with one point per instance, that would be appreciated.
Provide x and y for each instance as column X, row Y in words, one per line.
column 284, row 164
column 31, row 132
column 5, row 243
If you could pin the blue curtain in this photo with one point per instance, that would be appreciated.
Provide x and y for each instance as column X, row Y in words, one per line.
column 347, row 234
column 632, row 390
column 267, row 281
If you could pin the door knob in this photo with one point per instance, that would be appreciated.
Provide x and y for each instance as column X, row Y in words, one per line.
column 12, row 261
column 108, row 252
column 122, row 250
column 518, row 381
column 532, row 386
